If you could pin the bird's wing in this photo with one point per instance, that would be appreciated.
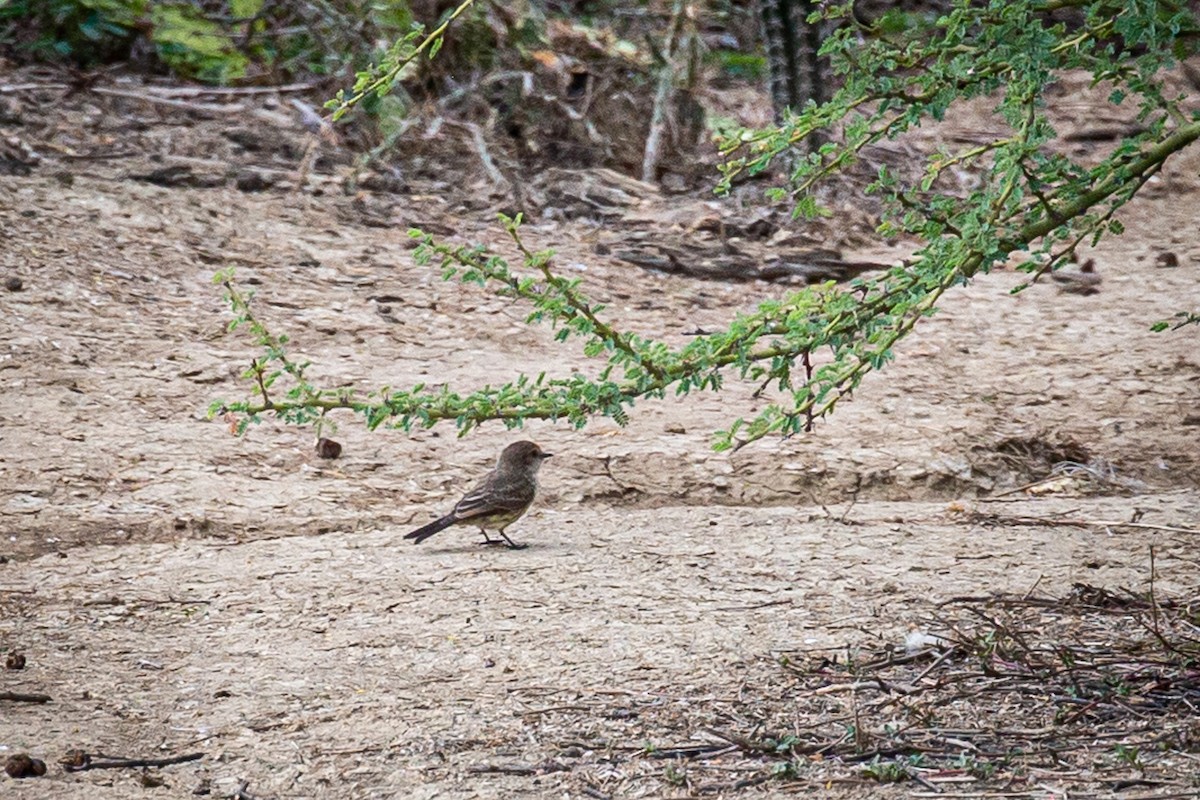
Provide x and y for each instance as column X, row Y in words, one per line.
column 488, row 498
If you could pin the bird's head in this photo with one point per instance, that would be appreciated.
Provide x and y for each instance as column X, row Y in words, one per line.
column 524, row 456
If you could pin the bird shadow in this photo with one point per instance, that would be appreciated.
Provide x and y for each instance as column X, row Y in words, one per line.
column 500, row 547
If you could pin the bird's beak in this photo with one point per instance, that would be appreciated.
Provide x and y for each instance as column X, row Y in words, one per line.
column 546, row 455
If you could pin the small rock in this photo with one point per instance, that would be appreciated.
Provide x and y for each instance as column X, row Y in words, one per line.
column 150, row 780
column 21, row 765
column 674, row 427
column 13, row 283
column 15, row 660
column 10, row 111
column 1166, row 260
column 328, row 448
column 250, row 180
column 389, row 181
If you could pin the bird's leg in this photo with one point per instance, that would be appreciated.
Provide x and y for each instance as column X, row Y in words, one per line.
column 511, row 544
column 489, row 540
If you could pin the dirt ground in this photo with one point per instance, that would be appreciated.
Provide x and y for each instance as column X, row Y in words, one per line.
column 176, row 589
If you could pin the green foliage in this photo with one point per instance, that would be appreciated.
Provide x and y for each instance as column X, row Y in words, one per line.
column 892, row 770
column 1130, row 756
column 219, row 41
column 1182, row 319
column 378, row 79
column 194, row 46
column 95, row 31
column 975, row 767
column 745, row 66
column 85, row 31
column 812, row 348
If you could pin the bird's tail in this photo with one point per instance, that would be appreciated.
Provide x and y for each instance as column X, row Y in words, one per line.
column 423, row 533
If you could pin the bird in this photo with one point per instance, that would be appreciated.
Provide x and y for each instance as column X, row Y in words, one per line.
column 1086, row 281
column 497, row 501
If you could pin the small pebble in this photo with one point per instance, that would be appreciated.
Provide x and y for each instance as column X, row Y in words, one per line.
column 14, row 284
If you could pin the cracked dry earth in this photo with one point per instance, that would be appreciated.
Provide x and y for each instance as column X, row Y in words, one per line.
column 176, row 589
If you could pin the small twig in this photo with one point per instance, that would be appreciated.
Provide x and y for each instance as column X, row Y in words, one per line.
column 259, row 368
column 101, row 761
column 227, row 91
column 596, row 794
column 768, row 604
column 517, row 769
column 743, row 783
column 916, row 776
column 1082, row 523
column 809, row 420
column 535, row 712
column 702, row 750
column 1143, row 525
column 481, row 149
column 205, row 109
column 937, row 662
column 18, row 697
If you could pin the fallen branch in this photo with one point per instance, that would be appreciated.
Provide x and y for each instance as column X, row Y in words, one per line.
column 80, row 762
column 18, row 697
column 207, row 109
column 235, row 91
column 1078, row 523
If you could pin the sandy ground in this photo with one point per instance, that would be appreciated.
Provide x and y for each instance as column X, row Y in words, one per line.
column 176, row 589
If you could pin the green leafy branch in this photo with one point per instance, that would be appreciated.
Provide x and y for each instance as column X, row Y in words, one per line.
column 858, row 325
column 378, row 79
column 813, row 347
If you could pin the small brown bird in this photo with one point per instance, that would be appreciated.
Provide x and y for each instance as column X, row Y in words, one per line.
column 1086, row 281
column 498, row 500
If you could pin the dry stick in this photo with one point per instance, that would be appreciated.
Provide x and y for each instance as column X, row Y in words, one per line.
column 237, row 91
column 117, row 762
column 1144, row 525
column 1088, row 523
column 513, row 769
column 481, row 150
column 207, row 109
column 663, row 94
column 259, row 368
column 18, row 697
column 767, row 604
column 1029, row 593
column 809, row 422
column 937, row 663
column 536, row 712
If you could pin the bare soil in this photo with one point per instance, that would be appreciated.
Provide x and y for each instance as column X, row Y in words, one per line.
column 177, row 589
